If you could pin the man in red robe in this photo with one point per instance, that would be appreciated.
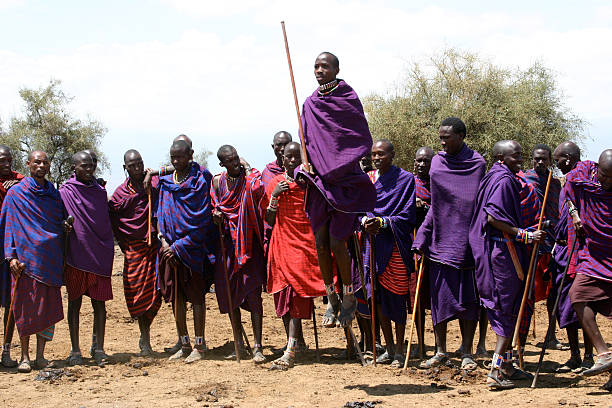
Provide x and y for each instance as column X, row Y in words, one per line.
column 130, row 218
column 294, row 276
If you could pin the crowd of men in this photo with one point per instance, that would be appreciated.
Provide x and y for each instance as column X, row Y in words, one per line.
column 319, row 221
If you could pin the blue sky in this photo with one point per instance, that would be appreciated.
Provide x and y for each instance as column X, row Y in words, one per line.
column 152, row 69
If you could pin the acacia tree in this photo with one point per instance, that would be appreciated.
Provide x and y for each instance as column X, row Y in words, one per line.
column 48, row 125
column 495, row 103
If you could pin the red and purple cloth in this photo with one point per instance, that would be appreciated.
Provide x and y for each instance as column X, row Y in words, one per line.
column 454, row 181
column 129, row 211
column 184, row 217
column 395, row 203
column 31, row 225
column 91, row 245
column 5, row 277
column 243, row 224
column 498, row 285
column 594, row 204
column 337, row 136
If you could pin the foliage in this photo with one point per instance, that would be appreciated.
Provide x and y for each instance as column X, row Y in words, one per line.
column 49, row 126
column 202, row 156
column 495, row 103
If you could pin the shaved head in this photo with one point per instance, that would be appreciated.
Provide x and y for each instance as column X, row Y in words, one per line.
column 80, row 156
column 333, row 60
column 180, row 146
column 5, row 149
column 293, row 145
column 605, row 158
column 37, row 153
column 184, row 138
column 386, row 144
column 282, row 135
column 425, row 150
column 569, row 148
column 504, row 147
column 225, row 149
column 130, row 155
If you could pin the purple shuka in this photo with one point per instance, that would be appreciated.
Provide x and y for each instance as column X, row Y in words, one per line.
column 337, row 136
column 498, row 284
column 454, row 181
column 91, row 245
column 594, row 249
column 31, row 226
column 443, row 236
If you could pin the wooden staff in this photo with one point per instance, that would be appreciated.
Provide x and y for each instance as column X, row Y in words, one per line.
column 421, row 338
column 416, row 300
column 229, row 296
column 149, row 241
column 316, row 333
column 551, row 324
column 350, row 335
column 372, row 303
column 363, row 287
column 305, row 162
column 516, row 342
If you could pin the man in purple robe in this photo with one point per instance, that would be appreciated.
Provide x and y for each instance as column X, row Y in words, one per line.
column 455, row 174
column 89, row 260
column 567, row 159
column 590, row 205
column 390, row 227
column 132, row 221
column 32, row 230
column 499, row 271
column 336, row 136
column 184, row 220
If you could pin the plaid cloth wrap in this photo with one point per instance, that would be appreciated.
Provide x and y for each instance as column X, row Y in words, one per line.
column 31, row 226
column 184, row 217
column 551, row 212
column 594, row 204
column 243, row 213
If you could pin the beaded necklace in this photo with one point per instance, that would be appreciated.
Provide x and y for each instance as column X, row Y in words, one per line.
column 176, row 180
column 288, row 178
column 328, row 88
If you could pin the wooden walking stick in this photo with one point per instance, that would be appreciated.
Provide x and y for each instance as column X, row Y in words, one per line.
column 421, row 338
column 372, row 303
column 316, row 333
column 305, row 162
column 228, row 293
column 149, row 241
column 516, row 339
column 549, row 331
column 363, row 282
column 416, row 299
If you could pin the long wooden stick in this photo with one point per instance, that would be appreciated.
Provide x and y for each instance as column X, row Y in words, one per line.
column 421, row 337
column 416, row 300
column 316, row 333
column 305, row 161
column 149, row 241
column 516, row 339
column 372, row 302
column 228, row 293
column 551, row 324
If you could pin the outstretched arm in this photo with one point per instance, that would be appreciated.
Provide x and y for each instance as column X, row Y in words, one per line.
column 513, row 231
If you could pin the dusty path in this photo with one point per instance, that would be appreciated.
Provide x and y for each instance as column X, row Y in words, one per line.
column 140, row 382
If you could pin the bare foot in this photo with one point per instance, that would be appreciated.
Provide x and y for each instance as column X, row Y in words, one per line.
column 283, row 363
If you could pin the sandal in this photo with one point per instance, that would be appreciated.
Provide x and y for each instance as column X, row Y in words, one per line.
column 330, row 316
column 24, row 367
column 258, row 357
column 75, row 358
column 436, row 360
column 347, row 310
column 499, row 383
column 196, row 355
column 7, row 361
column 398, row 361
column 177, row 346
column 554, row 344
column 384, row 358
column 608, row 386
column 603, row 364
column 282, row 363
column 468, row 363
column 570, row 365
column 101, row 357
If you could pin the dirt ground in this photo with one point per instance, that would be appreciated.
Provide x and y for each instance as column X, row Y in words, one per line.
column 132, row 381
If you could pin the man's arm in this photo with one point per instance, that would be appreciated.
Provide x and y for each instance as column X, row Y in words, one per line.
column 518, row 233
